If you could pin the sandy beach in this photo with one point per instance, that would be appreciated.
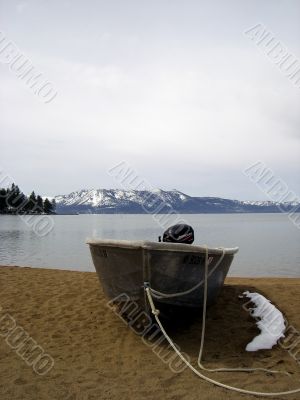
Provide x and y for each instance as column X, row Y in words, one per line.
column 96, row 356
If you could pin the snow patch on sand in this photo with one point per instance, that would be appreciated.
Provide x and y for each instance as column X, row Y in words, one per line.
column 271, row 323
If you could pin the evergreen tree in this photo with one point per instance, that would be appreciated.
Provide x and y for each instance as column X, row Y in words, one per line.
column 3, row 206
column 13, row 201
column 40, row 204
column 33, row 197
column 48, row 208
column 10, row 196
column 16, row 198
column 31, row 205
column 53, row 205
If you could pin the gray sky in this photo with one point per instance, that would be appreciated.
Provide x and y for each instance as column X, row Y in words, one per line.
column 174, row 88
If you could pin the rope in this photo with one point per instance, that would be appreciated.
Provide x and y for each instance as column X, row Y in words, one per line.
column 155, row 312
column 203, row 334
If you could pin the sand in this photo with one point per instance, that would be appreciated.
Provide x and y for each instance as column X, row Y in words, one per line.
column 96, row 356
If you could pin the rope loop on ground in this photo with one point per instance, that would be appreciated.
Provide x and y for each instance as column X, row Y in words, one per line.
column 151, row 292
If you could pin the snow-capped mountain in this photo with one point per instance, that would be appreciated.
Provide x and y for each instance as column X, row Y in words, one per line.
column 157, row 201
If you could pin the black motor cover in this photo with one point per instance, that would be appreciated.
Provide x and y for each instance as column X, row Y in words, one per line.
column 180, row 233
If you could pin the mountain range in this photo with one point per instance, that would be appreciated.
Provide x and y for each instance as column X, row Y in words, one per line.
column 118, row 201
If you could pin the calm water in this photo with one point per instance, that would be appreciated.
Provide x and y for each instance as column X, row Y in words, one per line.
column 269, row 243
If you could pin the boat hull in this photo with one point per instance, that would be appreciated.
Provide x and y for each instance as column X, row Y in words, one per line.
column 123, row 267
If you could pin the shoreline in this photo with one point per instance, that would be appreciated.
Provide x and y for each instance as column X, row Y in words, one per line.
column 97, row 356
column 228, row 278
column 184, row 213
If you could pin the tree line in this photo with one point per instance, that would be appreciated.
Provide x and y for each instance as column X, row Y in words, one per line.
column 14, row 201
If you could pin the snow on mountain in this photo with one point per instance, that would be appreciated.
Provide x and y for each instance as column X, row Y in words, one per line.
column 114, row 197
column 271, row 203
column 157, row 200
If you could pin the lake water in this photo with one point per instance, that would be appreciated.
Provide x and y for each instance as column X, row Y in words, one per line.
column 269, row 243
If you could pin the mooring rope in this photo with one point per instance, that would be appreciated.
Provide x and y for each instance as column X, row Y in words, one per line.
column 155, row 312
column 204, row 328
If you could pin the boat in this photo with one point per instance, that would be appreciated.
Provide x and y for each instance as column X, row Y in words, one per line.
column 175, row 272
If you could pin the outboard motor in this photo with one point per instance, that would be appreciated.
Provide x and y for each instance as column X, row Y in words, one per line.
column 180, row 233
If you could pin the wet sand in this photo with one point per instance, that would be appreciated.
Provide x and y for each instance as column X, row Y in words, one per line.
column 96, row 356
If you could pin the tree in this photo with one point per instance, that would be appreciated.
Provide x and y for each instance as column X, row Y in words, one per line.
column 48, row 207
column 40, row 203
column 11, row 194
column 32, row 197
column 16, row 199
column 31, row 204
column 53, row 205
column 3, row 196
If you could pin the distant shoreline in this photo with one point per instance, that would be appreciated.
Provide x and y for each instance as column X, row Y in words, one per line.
column 144, row 213
column 27, row 213
column 179, row 213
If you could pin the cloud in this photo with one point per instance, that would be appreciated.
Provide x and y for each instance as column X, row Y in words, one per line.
column 188, row 108
column 20, row 7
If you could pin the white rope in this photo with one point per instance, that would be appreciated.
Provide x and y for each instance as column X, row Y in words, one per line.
column 204, row 328
column 155, row 312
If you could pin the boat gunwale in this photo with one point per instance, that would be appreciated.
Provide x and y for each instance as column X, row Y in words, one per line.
column 160, row 246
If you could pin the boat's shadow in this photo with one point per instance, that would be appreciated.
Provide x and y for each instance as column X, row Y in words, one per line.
column 229, row 327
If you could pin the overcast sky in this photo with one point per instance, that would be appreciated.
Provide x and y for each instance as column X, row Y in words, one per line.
column 174, row 88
